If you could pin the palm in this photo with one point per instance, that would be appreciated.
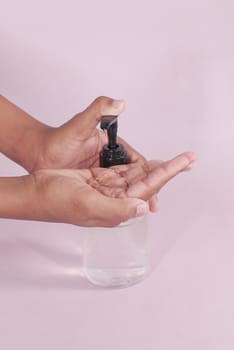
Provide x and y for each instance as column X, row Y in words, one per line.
column 103, row 197
column 135, row 180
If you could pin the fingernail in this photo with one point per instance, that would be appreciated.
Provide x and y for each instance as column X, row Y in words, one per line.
column 117, row 103
column 142, row 209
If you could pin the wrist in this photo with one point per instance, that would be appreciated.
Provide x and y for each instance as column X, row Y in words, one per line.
column 18, row 198
column 33, row 141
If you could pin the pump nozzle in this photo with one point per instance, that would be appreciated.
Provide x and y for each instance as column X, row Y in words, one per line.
column 110, row 123
column 112, row 153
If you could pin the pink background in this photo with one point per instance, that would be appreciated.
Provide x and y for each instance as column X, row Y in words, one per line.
column 173, row 62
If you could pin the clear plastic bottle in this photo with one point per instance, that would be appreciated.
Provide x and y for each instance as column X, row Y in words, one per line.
column 117, row 256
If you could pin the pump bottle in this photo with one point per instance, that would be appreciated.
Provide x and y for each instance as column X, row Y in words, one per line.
column 118, row 256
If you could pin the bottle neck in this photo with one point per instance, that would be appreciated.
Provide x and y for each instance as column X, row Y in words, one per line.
column 112, row 135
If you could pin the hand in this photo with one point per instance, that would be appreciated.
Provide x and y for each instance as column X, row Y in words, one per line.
column 77, row 143
column 74, row 145
column 101, row 197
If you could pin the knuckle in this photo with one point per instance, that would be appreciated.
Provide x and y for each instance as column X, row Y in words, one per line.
column 102, row 102
column 165, row 168
column 99, row 99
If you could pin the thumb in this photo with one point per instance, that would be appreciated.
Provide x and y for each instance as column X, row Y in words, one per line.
column 83, row 124
column 113, row 211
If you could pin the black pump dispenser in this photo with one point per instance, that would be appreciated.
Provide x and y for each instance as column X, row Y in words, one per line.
column 112, row 153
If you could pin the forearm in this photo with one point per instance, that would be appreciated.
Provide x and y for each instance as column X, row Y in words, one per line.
column 17, row 198
column 20, row 134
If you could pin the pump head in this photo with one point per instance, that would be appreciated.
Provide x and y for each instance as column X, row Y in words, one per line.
column 112, row 153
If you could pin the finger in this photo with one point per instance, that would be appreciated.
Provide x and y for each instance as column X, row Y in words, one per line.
column 112, row 211
column 134, row 172
column 148, row 164
column 154, row 163
column 190, row 166
column 115, row 181
column 159, row 176
column 106, row 177
column 83, row 124
column 153, row 204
